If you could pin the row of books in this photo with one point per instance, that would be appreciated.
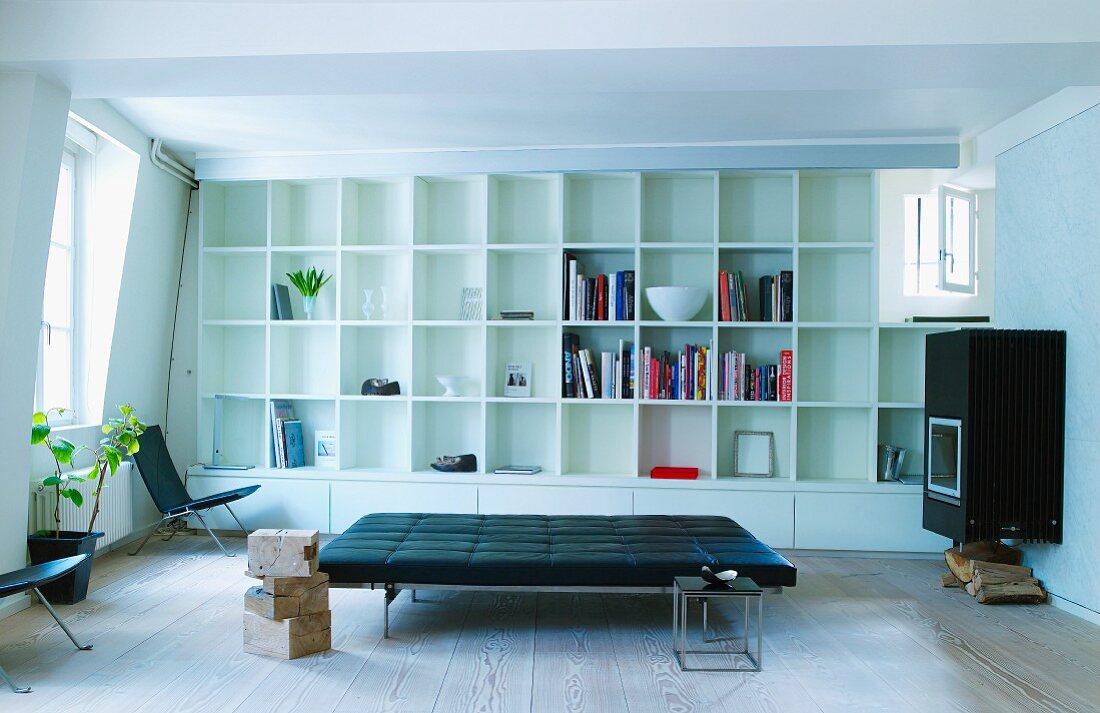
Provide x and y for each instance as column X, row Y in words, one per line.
column 740, row 381
column 287, row 440
column 605, row 297
column 584, row 376
column 776, row 298
column 685, row 375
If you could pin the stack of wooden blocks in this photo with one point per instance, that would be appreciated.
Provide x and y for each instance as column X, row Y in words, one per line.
column 288, row 615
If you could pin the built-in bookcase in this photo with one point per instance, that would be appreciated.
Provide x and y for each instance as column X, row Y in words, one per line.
column 402, row 249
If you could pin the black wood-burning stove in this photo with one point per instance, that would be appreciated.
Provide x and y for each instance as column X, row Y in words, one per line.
column 994, row 434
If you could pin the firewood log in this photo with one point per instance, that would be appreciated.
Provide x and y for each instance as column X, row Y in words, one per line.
column 948, row 580
column 1019, row 592
column 996, row 573
column 958, row 560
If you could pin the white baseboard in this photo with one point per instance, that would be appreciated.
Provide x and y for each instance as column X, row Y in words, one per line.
column 1074, row 608
column 13, row 605
column 863, row 554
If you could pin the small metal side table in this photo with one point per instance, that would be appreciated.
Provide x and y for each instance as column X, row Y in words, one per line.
column 684, row 589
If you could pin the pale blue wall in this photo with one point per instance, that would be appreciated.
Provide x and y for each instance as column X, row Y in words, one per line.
column 1048, row 276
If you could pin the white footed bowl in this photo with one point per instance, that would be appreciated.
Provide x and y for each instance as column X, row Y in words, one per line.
column 676, row 304
column 451, row 384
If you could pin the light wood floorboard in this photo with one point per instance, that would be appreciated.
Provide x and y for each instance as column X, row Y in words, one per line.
column 854, row 635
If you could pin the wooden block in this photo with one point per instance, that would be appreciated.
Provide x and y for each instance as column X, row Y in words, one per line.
column 288, row 638
column 1018, row 592
column 948, row 580
column 275, row 606
column 293, row 586
column 283, row 553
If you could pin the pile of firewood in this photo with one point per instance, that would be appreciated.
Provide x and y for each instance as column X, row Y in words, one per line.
column 991, row 572
column 287, row 616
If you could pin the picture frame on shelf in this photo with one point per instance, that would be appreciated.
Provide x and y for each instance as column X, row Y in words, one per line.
column 325, row 449
column 517, row 380
column 753, row 454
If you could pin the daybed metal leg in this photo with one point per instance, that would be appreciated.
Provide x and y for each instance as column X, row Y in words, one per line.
column 239, row 523
column 7, row 680
column 61, row 623
column 150, row 534
column 706, row 639
column 227, row 552
column 413, row 593
column 391, row 594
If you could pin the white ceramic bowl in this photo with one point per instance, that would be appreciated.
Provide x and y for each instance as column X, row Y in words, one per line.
column 676, row 304
column 451, row 384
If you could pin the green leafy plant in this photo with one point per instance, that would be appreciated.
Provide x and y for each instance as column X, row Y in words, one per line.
column 120, row 439
column 309, row 283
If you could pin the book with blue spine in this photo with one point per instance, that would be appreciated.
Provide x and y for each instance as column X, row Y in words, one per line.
column 295, row 444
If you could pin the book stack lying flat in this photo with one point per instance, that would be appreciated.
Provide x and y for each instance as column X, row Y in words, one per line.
column 517, row 314
column 518, row 470
column 287, row 616
column 583, row 376
column 685, row 375
column 607, row 297
column 286, row 436
column 775, row 294
column 740, row 381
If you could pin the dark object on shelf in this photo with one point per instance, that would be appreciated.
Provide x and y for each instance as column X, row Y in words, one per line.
column 381, row 387
column 960, row 318
column 280, row 302
column 73, row 586
column 165, row 487
column 664, row 472
column 518, row 470
column 456, row 464
column 724, row 577
column 994, row 434
column 34, row 579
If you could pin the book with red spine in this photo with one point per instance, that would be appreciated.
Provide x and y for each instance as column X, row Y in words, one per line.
column 723, row 296
column 601, row 297
column 786, row 375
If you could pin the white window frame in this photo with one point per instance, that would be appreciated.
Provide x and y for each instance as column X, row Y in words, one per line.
column 968, row 287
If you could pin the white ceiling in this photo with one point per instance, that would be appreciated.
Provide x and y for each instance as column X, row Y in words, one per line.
column 271, row 77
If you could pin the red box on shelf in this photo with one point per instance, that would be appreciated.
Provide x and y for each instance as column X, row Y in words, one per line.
column 670, row 473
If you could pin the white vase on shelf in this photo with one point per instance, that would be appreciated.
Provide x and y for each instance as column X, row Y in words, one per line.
column 368, row 302
column 308, row 303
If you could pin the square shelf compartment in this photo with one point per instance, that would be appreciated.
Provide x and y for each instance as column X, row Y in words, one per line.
column 756, row 207
column 234, row 214
column 284, row 262
column 234, row 286
column 761, row 346
column 678, row 207
column 302, row 359
column 598, row 439
column 597, row 340
column 681, row 268
column 903, row 427
column 834, row 287
column 386, row 275
column 448, row 351
column 304, row 213
column 524, row 280
column 450, row 210
column 763, row 419
column 446, row 428
column 243, row 434
column 374, row 435
column 674, row 436
column 601, row 207
column 315, row 415
column 376, row 212
column 522, row 434
column 374, row 352
column 833, row 444
column 833, row 365
column 438, row 280
column 233, row 360
column 753, row 265
column 592, row 263
column 525, row 208
column 901, row 365
column 835, row 207
column 538, row 346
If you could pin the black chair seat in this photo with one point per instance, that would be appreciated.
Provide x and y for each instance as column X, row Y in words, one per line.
column 28, row 578
column 213, row 501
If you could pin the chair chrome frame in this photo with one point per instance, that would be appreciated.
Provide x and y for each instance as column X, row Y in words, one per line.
column 64, row 627
column 188, row 511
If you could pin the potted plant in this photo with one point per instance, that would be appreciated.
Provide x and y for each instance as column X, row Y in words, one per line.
column 120, row 439
column 309, row 283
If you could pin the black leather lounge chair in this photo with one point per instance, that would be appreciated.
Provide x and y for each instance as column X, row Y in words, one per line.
column 171, row 498
column 30, row 579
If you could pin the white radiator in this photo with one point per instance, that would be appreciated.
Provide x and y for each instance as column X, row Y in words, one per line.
column 116, row 507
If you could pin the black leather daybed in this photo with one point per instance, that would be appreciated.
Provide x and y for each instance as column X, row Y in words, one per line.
column 593, row 553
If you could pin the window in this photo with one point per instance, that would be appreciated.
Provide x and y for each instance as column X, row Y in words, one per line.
column 940, row 243
column 59, row 379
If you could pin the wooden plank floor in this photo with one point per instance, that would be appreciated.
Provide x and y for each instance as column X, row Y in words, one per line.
column 855, row 635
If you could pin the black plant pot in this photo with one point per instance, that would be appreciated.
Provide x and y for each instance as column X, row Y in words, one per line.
column 73, row 587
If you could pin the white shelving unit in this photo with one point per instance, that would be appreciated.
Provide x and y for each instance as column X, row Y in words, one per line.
column 420, row 240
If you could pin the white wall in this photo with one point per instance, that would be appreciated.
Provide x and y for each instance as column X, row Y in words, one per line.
column 1048, row 275
column 894, row 305
column 32, row 133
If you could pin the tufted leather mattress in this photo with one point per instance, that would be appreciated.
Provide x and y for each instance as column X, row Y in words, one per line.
column 537, row 550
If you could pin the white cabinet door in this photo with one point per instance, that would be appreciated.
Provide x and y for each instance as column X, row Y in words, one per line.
column 553, row 500
column 768, row 516
column 886, row 522
column 351, row 501
column 278, row 503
